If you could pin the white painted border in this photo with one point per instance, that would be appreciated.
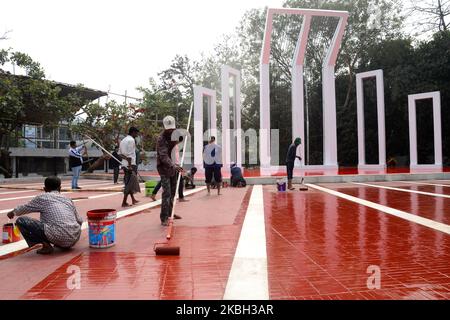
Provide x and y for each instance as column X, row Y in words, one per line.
column 248, row 279
column 394, row 212
column 437, row 195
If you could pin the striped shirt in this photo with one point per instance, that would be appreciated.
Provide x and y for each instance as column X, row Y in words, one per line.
column 62, row 223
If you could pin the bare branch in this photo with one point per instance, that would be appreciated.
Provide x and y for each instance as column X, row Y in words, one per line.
column 5, row 35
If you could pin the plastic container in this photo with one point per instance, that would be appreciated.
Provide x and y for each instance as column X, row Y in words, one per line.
column 102, row 228
column 11, row 233
column 149, row 187
column 281, row 186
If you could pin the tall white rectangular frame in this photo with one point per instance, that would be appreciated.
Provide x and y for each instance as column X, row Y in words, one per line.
column 436, row 97
column 360, row 77
column 199, row 93
column 226, row 72
column 330, row 160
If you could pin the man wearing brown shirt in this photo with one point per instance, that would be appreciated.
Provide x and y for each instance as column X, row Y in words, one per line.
column 167, row 168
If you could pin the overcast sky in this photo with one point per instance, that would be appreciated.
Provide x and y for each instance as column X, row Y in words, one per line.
column 118, row 43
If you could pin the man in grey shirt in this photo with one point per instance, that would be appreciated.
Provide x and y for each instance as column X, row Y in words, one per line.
column 59, row 224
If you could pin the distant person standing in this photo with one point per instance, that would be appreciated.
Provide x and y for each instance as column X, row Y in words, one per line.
column 115, row 165
column 75, row 163
column 290, row 161
column 127, row 151
column 212, row 162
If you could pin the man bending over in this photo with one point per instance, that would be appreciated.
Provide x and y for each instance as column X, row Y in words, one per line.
column 59, row 224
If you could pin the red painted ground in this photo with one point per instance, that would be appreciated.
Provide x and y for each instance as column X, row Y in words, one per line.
column 319, row 247
column 254, row 173
column 207, row 236
column 437, row 209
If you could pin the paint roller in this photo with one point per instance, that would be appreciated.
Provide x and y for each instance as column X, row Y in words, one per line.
column 167, row 250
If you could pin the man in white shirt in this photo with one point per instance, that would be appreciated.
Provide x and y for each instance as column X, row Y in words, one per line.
column 127, row 151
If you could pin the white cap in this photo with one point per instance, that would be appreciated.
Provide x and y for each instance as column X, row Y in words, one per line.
column 169, row 123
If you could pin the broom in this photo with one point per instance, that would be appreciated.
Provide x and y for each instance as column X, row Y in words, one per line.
column 110, row 154
column 166, row 250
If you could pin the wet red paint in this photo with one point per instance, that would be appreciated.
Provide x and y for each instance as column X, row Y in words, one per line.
column 434, row 208
column 132, row 271
column 320, row 247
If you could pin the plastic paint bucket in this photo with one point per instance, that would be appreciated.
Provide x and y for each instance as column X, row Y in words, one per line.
column 102, row 228
column 11, row 233
column 281, row 186
column 149, row 187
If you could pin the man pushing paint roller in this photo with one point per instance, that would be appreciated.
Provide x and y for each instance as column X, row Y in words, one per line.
column 59, row 223
column 167, row 168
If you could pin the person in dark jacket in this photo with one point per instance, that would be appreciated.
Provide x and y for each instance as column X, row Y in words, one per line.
column 75, row 162
column 115, row 165
column 167, row 168
column 212, row 162
column 290, row 161
column 237, row 179
column 180, row 187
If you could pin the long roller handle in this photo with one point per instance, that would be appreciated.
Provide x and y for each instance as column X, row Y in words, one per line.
column 169, row 230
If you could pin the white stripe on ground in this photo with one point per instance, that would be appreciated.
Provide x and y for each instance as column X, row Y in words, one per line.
column 437, row 195
column 76, row 200
column 438, row 226
column 64, row 183
column 20, row 245
column 425, row 184
column 27, row 197
column 15, row 192
column 248, row 278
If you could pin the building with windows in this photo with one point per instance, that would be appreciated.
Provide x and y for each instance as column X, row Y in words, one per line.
column 42, row 150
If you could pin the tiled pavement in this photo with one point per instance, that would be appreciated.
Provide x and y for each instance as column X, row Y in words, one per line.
column 318, row 247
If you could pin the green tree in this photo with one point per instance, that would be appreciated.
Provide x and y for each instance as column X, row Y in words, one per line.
column 28, row 99
column 106, row 124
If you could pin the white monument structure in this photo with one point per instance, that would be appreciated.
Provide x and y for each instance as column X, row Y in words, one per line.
column 329, row 94
column 231, row 138
column 199, row 94
column 360, row 77
column 436, row 96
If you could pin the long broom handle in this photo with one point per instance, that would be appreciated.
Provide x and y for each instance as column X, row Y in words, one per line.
column 103, row 148
column 169, row 231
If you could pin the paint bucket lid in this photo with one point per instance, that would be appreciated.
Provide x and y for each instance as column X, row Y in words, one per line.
column 101, row 214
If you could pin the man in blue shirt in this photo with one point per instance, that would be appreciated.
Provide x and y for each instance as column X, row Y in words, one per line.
column 290, row 161
column 212, row 162
column 237, row 179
